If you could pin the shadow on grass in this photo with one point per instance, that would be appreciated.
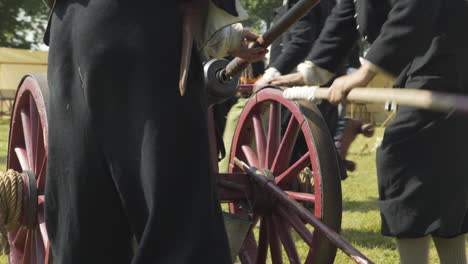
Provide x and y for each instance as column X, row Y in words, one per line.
column 368, row 239
column 361, row 206
column 361, row 238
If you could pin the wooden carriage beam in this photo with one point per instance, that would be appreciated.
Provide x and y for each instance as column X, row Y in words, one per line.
column 297, row 210
column 424, row 99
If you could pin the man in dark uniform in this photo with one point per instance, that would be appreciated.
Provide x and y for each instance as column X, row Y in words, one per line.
column 291, row 49
column 421, row 165
column 129, row 177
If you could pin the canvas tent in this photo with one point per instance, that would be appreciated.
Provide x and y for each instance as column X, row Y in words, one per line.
column 14, row 64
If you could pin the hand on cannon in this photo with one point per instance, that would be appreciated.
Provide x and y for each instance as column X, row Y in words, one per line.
column 293, row 79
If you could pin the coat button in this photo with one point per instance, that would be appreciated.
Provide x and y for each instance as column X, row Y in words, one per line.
column 355, row 15
column 365, row 37
column 357, row 27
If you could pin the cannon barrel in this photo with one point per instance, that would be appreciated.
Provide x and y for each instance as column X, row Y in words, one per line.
column 238, row 65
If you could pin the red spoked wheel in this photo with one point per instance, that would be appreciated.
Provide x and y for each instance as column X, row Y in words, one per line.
column 260, row 141
column 27, row 152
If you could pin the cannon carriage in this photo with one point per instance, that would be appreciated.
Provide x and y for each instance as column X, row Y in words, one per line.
column 282, row 197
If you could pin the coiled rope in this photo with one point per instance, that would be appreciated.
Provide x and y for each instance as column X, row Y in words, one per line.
column 11, row 200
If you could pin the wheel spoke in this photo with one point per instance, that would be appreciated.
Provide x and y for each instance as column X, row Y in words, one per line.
column 283, row 155
column 42, row 225
column 260, row 138
column 274, row 133
column 250, row 155
column 20, row 238
column 42, row 176
column 38, row 247
column 284, row 232
column 262, row 242
column 248, row 251
column 27, row 132
column 297, row 224
column 291, row 173
column 307, row 197
column 22, row 158
column 28, row 254
column 275, row 246
column 35, row 132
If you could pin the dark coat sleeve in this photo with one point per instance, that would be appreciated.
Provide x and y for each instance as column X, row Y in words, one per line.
column 407, row 33
column 337, row 38
column 301, row 38
column 228, row 6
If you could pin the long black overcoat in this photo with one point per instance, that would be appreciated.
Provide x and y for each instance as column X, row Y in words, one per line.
column 422, row 163
column 129, row 177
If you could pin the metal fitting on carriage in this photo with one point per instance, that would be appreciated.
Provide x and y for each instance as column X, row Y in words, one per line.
column 220, row 87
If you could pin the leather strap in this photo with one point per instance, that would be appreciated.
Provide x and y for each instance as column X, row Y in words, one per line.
column 189, row 25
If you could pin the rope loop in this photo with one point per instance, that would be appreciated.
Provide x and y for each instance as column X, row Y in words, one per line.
column 11, row 200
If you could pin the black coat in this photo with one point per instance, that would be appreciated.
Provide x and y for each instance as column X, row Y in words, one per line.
column 129, row 157
column 421, row 165
column 294, row 45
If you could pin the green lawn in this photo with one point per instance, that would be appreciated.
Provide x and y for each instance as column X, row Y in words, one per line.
column 361, row 221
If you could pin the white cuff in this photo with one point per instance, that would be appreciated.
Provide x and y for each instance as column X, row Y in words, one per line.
column 271, row 73
column 313, row 74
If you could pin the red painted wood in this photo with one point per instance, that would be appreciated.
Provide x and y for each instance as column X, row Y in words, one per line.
column 248, row 251
column 291, row 173
column 27, row 150
column 26, row 122
column 22, row 156
column 295, row 222
column 250, row 156
column 234, row 187
column 307, row 197
column 260, row 138
column 274, row 133
column 35, row 132
column 262, row 242
column 284, row 232
column 42, row 228
column 283, row 156
column 273, row 151
column 296, row 210
column 42, row 175
column 275, row 246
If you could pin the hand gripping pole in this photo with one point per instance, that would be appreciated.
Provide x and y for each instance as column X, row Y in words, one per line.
column 238, row 65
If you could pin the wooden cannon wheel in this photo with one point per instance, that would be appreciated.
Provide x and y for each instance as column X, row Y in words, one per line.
column 259, row 142
column 27, row 151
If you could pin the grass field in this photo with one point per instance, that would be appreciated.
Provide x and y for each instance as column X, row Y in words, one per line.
column 361, row 221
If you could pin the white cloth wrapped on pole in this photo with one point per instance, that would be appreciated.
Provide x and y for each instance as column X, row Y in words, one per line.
column 300, row 93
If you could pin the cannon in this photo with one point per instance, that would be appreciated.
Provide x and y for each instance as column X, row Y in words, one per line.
column 276, row 193
column 280, row 197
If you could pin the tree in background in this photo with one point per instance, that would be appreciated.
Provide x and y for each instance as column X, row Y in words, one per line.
column 22, row 23
column 261, row 13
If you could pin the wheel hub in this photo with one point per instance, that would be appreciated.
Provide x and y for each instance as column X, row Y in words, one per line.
column 30, row 203
column 263, row 202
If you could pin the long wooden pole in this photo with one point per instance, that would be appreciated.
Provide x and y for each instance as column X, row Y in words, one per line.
column 437, row 101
